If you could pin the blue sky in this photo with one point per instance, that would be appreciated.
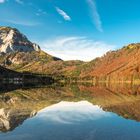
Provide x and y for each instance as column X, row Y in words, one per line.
column 75, row 29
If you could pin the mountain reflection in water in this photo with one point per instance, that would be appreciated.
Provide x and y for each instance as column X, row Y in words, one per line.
column 76, row 112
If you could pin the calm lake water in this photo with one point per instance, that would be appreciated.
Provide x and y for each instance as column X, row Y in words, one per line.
column 77, row 112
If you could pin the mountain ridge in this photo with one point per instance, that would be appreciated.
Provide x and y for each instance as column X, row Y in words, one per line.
column 17, row 51
column 120, row 65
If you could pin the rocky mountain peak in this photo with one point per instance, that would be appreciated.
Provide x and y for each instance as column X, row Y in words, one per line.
column 11, row 40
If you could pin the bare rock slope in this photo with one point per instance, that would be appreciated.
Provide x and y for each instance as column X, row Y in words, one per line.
column 11, row 40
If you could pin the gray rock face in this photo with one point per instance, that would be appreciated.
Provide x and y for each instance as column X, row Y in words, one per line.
column 11, row 40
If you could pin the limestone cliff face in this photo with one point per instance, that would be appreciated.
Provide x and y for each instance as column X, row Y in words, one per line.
column 17, row 50
column 11, row 40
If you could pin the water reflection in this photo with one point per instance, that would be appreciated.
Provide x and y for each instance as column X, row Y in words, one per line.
column 86, row 108
column 71, row 113
column 11, row 118
column 72, row 121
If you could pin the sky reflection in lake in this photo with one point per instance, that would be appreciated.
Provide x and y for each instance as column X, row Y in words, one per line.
column 75, row 121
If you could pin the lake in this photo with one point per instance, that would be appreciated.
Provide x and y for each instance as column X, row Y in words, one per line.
column 70, row 112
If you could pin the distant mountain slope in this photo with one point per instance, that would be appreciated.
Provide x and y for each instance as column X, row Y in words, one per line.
column 20, row 59
column 123, row 64
column 38, row 62
column 54, row 68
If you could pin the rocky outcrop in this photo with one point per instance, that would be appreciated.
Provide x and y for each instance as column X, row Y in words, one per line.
column 11, row 40
column 17, row 51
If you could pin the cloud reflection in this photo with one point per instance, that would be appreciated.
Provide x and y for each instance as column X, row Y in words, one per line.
column 72, row 113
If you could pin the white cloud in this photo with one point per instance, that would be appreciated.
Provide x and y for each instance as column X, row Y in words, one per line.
column 63, row 14
column 19, row 1
column 76, row 48
column 2, row 1
column 95, row 15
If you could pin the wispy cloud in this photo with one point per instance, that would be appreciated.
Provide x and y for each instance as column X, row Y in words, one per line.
column 41, row 12
column 95, row 15
column 76, row 48
column 63, row 14
column 19, row 1
column 2, row 1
